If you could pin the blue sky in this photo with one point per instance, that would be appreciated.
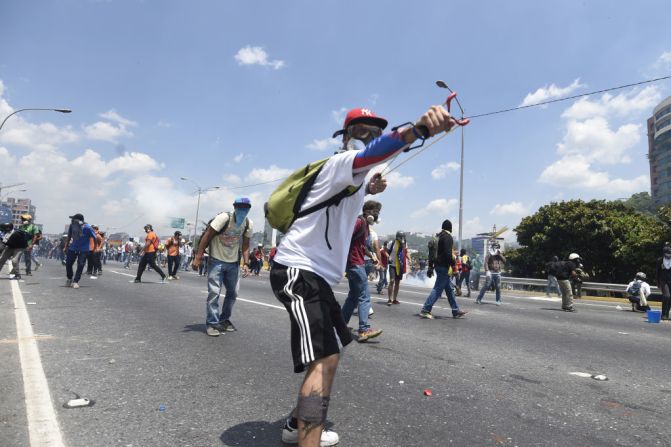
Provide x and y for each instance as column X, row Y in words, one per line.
column 232, row 93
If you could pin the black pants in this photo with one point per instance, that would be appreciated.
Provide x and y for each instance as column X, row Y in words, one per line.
column 148, row 259
column 666, row 299
column 89, row 262
column 173, row 265
column 97, row 264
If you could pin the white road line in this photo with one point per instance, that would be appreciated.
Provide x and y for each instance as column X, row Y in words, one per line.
column 260, row 303
column 42, row 423
column 122, row 273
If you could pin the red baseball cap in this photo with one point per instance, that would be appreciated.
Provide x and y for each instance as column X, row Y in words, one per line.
column 361, row 115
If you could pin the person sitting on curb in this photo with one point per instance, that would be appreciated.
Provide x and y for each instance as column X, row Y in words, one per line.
column 637, row 292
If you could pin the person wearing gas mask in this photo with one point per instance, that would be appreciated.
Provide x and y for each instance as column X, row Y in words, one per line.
column 313, row 254
column 151, row 243
column 359, row 294
column 664, row 280
column 226, row 240
column 494, row 264
column 78, row 245
column 398, row 264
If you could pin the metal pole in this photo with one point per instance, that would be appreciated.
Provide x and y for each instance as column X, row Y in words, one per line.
column 195, row 225
column 461, row 189
column 23, row 110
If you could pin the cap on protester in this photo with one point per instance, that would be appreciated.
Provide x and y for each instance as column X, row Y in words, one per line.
column 242, row 202
column 361, row 115
column 77, row 216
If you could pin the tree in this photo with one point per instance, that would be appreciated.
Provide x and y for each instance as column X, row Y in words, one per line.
column 642, row 202
column 614, row 240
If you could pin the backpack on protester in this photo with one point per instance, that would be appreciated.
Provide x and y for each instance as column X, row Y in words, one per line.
column 634, row 289
column 223, row 229
column 17, row 238
column 284, row 205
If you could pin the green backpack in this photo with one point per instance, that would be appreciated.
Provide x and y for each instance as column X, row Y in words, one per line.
column 284, row 205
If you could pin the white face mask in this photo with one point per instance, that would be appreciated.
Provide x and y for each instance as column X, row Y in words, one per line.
column 355, row 145
column 370, row 220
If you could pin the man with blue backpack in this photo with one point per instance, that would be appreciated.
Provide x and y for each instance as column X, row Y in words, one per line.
column 316, row 208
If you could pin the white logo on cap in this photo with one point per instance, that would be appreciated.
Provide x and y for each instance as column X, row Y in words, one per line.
column 366, row 112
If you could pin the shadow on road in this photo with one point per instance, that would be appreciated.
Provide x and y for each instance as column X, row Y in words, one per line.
column 194, row 328
column 556, row 309
column 254, row 434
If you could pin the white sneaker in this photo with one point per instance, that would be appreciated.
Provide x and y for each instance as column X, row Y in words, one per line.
column 75, row 285
column 290, row 436
column 371, row 312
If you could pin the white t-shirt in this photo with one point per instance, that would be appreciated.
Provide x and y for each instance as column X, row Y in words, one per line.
column 645, row 287
column 305, row 244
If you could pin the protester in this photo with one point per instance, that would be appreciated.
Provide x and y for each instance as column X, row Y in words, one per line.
column 313, row 255
column 78, row 245
column 475, row 271
column 638, row 292
column 226, row 239
column 148, row 258
column 129, row 250
column 14, row 243
column 271, row 256
column 98, row 252
column 32, row 231
column 577, row 280
column 441, row 263
column 465, row 273
column 173, row 245
column 564, row 270
column 31, row 255
column 257, row 257
column 359, row 293
column 663, row 279
column 494, row 265
column 552, row 279
column 383, row 263
column 398, row 264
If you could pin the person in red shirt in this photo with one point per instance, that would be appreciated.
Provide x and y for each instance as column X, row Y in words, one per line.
column 383, row 262
column 359, row 295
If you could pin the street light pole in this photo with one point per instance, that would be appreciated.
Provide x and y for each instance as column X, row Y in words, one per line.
column 23, row 110
column 442, row 84
column 200, row 191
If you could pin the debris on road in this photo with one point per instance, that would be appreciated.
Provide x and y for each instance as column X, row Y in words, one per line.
column 428, row 392
column 161, row 407
column 601, row 377
column 79, row 402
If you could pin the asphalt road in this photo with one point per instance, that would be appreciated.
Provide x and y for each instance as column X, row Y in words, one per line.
column 499, row 377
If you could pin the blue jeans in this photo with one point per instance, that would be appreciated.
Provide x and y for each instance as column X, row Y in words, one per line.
column 80, row 256
column 496, row 279
column 442, row 283
column 358, row 296
column 220, row 273
column 382, row 282
column 552, row 285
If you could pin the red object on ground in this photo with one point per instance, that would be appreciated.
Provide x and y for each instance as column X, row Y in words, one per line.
column 428, row 392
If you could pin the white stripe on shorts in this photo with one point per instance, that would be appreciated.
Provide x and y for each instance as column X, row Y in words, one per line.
column 298, row 311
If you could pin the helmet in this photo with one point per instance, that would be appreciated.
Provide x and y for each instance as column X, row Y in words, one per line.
column 242, row 202
column 178, row 233
column 573, row 256
column 6, row 227
column 667, row 249
column 641, row 276
column 26, row 217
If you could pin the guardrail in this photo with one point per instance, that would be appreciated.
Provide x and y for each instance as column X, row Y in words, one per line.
column 593, row 286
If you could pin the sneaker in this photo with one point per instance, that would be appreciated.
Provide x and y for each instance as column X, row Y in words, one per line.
column 170, row 278
column 175, row 277
column 29, row 274
column 137, row 281
column 395, row 302
column 37, row 266
column 162, row 281
column 213, row 331
column 568, row 309
column 459, row 314
column 16, row 277
column 477, row 301
column 371, row 312
column 498, row 303
column 227, row 326
column 368, row 334
column 425, row 314
column 68, row 283
column 75, row 285
column 290, row 436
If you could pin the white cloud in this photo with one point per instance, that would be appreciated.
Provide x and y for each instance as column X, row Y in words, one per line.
column 267, row 174
column 238, row 158
column 105, row 131
column 441, row 170
column 512, row 208
column 622, row 105
column 594, row 140
column 250, row 55
column 163, row 124
column 324, row 144
column 551, row 92
column 663, row 62
column 397, row 180
column 112, row 115
column 439, row 207
column 232, row 178
column 577, row 172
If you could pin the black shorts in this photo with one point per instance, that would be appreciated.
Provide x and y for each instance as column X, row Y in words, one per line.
column 393, row 276
column 317, row 326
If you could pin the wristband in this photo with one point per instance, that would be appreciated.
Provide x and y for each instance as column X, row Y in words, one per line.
column 416, row 133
